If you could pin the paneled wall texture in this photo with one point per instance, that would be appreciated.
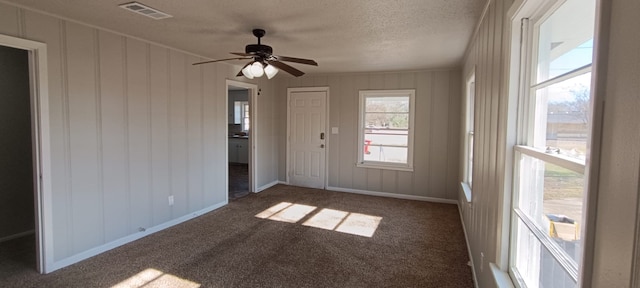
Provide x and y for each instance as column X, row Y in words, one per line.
column 481, row 217
column 131, row 123
column 437, row 131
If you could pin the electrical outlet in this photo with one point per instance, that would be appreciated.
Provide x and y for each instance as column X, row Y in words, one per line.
column 481, row 261
column 171, row 200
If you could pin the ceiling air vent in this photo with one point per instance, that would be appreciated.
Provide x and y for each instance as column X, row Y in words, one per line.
column 145, row 10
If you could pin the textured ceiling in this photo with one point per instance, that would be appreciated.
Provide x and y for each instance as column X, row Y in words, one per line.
column 341, row 35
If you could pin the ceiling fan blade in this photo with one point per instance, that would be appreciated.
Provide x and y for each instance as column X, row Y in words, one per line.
column 212, row 61
column 286, row 68
column 241, row 54
column 296, row 60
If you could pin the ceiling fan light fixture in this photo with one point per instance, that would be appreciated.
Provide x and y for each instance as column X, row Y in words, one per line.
column 257, row 69
column 246, row 71
column 270, row 71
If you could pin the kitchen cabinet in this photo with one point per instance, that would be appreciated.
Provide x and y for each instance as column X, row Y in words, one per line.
column 239, row 150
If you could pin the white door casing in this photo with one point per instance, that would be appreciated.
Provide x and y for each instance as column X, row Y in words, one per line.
column 307, row 116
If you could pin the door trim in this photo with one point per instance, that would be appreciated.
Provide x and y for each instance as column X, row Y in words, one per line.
column 327, row 135
column 253, row 134
column 43, row 195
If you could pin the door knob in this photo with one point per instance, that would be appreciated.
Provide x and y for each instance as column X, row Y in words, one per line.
column 321, row 145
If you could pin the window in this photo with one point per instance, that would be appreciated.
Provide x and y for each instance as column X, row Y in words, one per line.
column 245, row 116
column 469, row 110
column 549, row 164
column 241, row 114
column 386, row 129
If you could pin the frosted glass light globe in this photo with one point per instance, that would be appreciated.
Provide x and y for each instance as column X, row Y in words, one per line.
column 256, row 69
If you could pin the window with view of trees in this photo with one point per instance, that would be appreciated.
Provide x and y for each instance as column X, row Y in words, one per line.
column 386, row 129
column 548, row 208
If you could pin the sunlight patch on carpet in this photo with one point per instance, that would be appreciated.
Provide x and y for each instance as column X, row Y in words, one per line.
column 286, row 212
column 154, row 278
column 360, row 224
column 327, row 219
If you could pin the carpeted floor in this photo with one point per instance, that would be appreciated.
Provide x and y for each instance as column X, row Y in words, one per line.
column 238, row 180
column 416, row 244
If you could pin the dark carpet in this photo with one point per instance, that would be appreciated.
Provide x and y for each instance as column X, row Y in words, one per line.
column 416, row 244
column 238, row 180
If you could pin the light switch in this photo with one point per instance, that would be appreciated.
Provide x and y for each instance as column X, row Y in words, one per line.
column 334, row 130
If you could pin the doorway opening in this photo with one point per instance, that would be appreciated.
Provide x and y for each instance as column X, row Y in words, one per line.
column 17, row 211
column 241, row 131
column 25, row 180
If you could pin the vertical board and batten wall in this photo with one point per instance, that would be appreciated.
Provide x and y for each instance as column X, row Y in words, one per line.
column 267, row 136
column 436, row 138
column 616, row 133
column 131, row 124
column 481, row 217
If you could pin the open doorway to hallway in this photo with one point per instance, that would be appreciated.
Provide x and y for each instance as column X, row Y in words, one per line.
column 17, row 208
column 241, row 132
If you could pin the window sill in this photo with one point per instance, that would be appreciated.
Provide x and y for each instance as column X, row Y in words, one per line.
column 501, row 278
column 385, row 167
column 467, row 191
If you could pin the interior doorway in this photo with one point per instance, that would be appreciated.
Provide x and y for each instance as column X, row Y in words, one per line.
column 17, row 211
column 24, row 166
column 241, row 132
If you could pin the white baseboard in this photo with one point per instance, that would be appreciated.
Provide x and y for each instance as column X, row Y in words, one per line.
column 466, row 239
column 17, row 235
column 127, row 239
column 393, row 195
column 267, row 186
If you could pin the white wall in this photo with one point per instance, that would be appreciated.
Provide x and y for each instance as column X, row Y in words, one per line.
column 131, row 123
column 437, row 122
column 617, row 103
column 619, row 170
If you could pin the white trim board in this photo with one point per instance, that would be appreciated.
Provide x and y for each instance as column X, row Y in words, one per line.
column 466, row 240
column 128, row 239
column 267, row 186
column 393, row 195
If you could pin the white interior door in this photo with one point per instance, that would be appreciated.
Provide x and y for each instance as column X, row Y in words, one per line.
column 307, row 121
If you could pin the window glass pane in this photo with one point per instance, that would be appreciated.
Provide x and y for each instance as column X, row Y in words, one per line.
column 387, row 120
column 562, row 112
column 386, row 154
column 552, row 197
column 566, row 39
column 390, row 140
column 535, row 263
column 387, row 104
column 470, row 162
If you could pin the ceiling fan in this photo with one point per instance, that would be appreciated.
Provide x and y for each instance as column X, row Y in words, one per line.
column 263, row 61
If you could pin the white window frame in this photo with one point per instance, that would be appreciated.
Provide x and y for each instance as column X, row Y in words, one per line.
column 526, row 104
column 245, row 119
column 470, row 92
column 364, row 94
column 240, row 115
